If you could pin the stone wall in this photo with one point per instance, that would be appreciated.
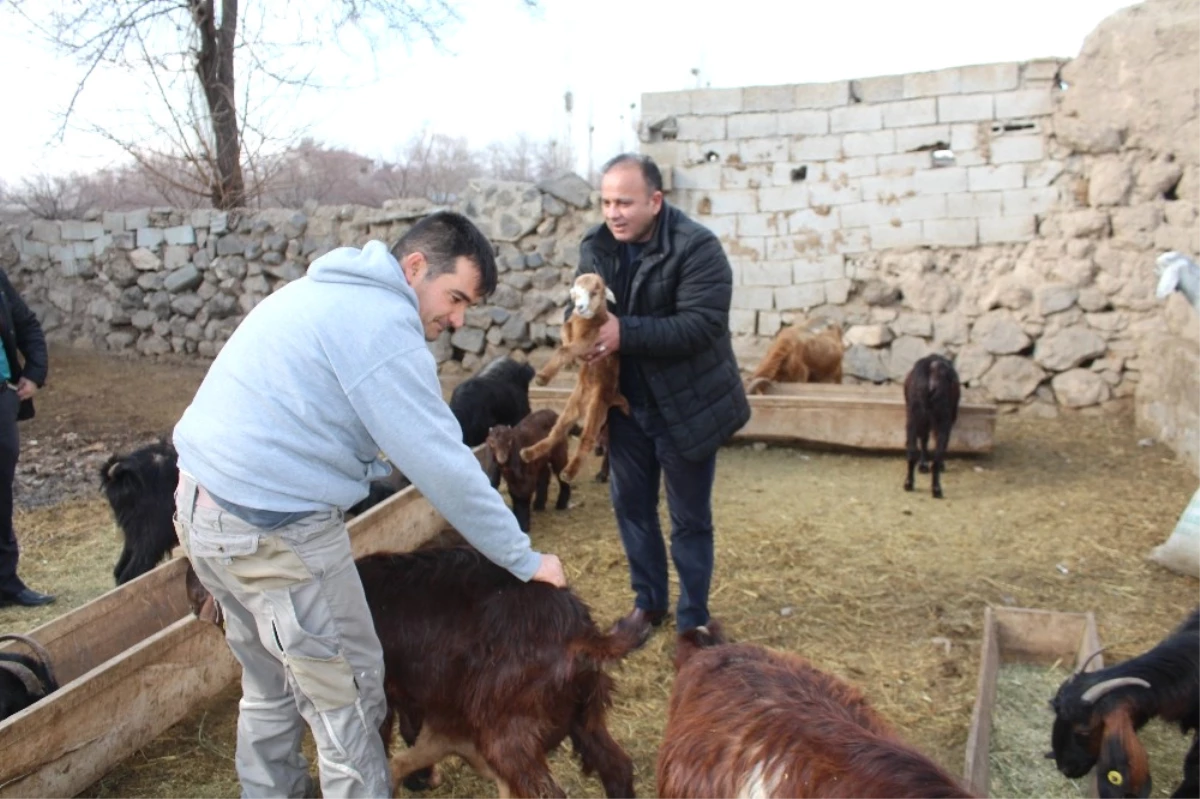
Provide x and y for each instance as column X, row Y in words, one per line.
column 1008, row 215
column 159, row 280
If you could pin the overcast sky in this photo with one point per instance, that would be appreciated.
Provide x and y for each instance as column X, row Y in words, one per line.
column 504, row 70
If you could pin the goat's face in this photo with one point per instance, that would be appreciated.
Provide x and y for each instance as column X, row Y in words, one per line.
column 589, row 294
column 1090, row 732
column 1122, row 769
column 500, row 441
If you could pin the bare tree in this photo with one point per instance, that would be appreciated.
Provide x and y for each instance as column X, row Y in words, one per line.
column 58, row 197
column 203, row 38
column 431, row 165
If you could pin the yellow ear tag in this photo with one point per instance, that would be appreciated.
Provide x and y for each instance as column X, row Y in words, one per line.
column 1115, row 777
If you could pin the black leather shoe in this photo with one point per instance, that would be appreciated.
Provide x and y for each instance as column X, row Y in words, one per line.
column 642, row 622
column 27, row 597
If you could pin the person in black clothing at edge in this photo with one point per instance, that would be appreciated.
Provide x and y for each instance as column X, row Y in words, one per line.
column 673, row 286
column 21, row 333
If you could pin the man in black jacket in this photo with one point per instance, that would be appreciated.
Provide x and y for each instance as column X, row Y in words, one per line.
column 673, row 286
column 21, row 333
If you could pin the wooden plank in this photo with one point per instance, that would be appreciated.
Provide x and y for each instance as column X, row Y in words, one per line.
column 866, row 417
column 73, row 737
column 1022, row 635
column 134, row 661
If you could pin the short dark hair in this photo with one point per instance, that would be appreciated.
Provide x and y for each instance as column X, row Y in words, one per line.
column 649, row 169
column 444, row 237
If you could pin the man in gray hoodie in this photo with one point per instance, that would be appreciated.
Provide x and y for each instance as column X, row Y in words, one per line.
column 283, row 434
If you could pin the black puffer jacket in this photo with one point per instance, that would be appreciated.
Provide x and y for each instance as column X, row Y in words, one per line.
column 21, row 332
column 675, row 328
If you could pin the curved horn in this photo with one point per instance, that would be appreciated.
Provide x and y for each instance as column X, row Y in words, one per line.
column 38, row 650
column 1090, row 658
column 23, row 673
column 1101, row 688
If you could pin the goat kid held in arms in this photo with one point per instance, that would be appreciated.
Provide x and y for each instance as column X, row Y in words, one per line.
column 672, row 286
column 283, row 434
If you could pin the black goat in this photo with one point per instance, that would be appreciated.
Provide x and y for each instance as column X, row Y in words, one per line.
column 931, row 395
column 24, row 679
column 497, row 394
column 1097, row 715
column 140, row 488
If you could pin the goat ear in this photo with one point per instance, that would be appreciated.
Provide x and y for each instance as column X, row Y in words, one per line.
column 608, row 295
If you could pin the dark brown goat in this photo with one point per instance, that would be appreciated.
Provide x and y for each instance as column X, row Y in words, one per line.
column 494, row 670
column 931, row 395
column 524, row 479
column 749, row 721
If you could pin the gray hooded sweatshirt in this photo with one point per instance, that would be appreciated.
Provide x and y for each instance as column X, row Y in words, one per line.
column 318, row 379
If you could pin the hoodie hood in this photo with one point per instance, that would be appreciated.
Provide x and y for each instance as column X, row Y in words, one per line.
column 373, row 265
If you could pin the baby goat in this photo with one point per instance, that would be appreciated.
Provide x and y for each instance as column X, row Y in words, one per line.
column 524, row 479
column 931, row 395
column 596, row 389
column 799, row 355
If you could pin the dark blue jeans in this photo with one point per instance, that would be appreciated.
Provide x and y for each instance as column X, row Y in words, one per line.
column 640, row 455
column 10, row 448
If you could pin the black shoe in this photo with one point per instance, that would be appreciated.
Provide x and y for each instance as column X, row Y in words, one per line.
column 642, row 622
column 27, row 597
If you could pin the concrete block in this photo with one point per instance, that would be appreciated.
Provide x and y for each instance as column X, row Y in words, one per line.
column 974, row 205
column 769, row 323
column 818, row 269
column 852, row 118
column 838, row 291
column 656, row 105
column 1002, row 229
column 101, row 245
column 72, row 230
column 734, row 201
column 866, row 214
column 741, row 322
column 705, row 177
column 990, row 78
column 664, row 152
column 848, row 168
column 45, row 231
column 768, row 273
column 35, row 249
column 1017, row 149
column 970, row 158
column 762, row 224
column 903, row 163
column 763, row 151
column 746, row 249
column 909, row 113
column 752, row 126
column 921, row 207
column 906, row 234
column 1041, row 69
column 750, row 176
column 136, row 220
column 964, row 108
column 92, row 230
column 697, row 128
column 1024, row 103
column 995, row 178
column 82, row 250
column 887, row 189
column 716, row 101
column 834, row 194
column 943, row 180
column 182, row 234
column 965, row 136
column 783, row 198
column 850, row 241
column 768, row 98
column 816, row 148
column 950, row 232
column 113, row 221
column 1042, row 174
column 880, row 142
column 804, row 123
column 149, row 237
column 933, row 84
column 1021, row 202
column 723, row 227
column 754, row 298
column 822, row 95
column 814, row 220
column 789, row 248
column 879, row 89
column 201, row 218
column 802, row 297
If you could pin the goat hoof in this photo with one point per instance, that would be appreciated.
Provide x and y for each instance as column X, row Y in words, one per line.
column 541, row 380
column 526, row 455
column 923, row 468
column 937, row 493
column 908, row 486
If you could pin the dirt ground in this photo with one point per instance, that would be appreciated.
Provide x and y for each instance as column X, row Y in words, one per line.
column 821, row 553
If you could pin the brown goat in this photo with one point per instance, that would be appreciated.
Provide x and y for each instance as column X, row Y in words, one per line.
column 596, row 389
column 799, row 355
column 524, row 479
column 744, row 720
column 492, row 669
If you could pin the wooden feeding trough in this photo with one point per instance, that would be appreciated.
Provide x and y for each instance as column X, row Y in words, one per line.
column 1024, row 636
column 135, row 661
column 865, row 417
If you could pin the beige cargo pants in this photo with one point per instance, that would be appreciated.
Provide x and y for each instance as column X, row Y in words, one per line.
column 297, row 620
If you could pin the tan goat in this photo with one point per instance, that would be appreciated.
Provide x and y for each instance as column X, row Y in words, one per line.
column 798, row 355
column 596, row 389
